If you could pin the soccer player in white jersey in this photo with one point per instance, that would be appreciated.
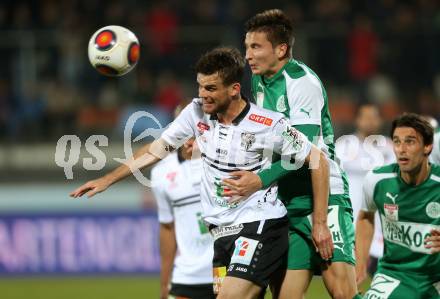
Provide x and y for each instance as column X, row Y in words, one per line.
column 407, row 196
column 283, row 84
column 186, row 246
column 250, row 237
column 359, row 153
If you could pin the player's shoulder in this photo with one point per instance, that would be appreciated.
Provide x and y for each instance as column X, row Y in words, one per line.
column 382, row 173
column 196, row 105
column 435, row 171
column 294, row 69
column 389, row 168
column 300, row 78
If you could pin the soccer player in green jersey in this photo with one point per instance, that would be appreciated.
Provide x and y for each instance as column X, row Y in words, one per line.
column 407, row 196
column 321, row 236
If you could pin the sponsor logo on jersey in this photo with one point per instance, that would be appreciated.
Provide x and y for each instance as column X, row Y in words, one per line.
column 247, row 140
column 202, row 127
column 203, row 229
column 307, row 112
column 244, row 251
column 407, row 234
column 433, row 210
column 223, row 231
column 171, row 177
column 241, row 269
column 221, row 151
column 261, row 119
column 381, row 287
column 391, row 196
column 292, row 136
column 219, row 187
column 281, row 104
column 391, row 211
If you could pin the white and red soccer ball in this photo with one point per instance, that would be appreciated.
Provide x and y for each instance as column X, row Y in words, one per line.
column 113, row 50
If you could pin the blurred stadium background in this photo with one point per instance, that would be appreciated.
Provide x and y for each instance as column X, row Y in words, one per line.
column 384, row 52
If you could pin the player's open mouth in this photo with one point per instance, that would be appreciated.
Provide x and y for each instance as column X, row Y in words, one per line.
column 403, row 160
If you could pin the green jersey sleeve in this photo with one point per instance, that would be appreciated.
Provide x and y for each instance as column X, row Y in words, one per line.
column 276, row 171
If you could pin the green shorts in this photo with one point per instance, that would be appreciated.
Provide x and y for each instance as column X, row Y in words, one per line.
column 302, row 252
column 387, row 284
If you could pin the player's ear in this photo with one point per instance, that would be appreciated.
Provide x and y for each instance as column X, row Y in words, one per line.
column 427, row 149
column 281, row 50
column 235, row 89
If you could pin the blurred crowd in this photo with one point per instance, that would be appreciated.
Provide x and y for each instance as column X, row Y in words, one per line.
column 383, row 52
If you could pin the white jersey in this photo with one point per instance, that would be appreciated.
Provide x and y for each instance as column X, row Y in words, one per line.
column 246, row 144
column 176, row 187
column 435, row 154
column 358, row 156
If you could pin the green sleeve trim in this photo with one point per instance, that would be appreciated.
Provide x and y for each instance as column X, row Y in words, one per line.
column 276, row 171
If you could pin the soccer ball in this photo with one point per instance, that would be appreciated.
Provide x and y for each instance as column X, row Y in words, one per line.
column 113, row 50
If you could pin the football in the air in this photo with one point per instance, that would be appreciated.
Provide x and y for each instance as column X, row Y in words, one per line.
column 113, row 50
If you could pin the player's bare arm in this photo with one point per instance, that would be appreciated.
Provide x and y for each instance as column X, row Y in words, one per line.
column 364, row 237
column 148, row 155
column 168, row 248
column 320, row 173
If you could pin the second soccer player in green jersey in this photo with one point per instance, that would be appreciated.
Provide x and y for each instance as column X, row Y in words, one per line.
column 407, row 196
column 281, row 83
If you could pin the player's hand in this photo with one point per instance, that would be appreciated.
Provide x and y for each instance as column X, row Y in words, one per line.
column 242, row 184
column 164, row 293
column 433, row 242
column 91, row 188
column 361, row 273
column 322, row 239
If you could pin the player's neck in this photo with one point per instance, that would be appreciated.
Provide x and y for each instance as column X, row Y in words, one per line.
column 362, row 135
column 276, row 68
column 417, row 175
column 183, row 155
column 233, row 110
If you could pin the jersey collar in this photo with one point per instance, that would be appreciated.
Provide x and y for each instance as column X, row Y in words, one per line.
column 294, row 68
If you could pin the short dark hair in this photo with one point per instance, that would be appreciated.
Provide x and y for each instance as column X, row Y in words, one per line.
column 275, row 24
column 418, row 123
column 228, row 62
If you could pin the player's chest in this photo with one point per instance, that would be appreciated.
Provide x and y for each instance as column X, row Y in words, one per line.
column 232, row 143
column 181, row 182
column 420, row 205
column 273, row 97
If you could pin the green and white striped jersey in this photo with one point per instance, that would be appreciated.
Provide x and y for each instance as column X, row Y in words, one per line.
column 297, row 92
column 408, row 213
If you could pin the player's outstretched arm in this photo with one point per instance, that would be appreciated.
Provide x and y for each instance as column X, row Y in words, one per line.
column 364, row 237
column 144, row 157
column 433, row 242
column 319, row 170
